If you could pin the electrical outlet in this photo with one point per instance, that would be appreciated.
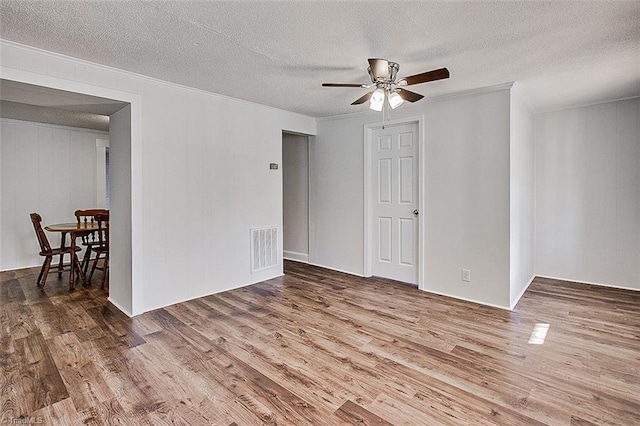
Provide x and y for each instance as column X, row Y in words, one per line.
column 466, row 275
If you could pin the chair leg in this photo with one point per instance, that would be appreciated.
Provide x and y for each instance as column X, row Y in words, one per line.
column 86, row 259
column 105, row 268
column 78, row 269
column 38, row 282
column 61, row 265
column 93, row 268
column 45, row 270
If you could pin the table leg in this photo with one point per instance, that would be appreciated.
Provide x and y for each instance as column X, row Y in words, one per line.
column 72, row 268
column 63, row 241
column 75, row 268
column 81, row 274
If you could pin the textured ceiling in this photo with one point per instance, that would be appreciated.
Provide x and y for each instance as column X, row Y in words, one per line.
column 563, row 54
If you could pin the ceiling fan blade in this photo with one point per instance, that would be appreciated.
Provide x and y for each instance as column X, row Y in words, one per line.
column 362, row 99
column 409, row 96
column 341, row 85
column 379, row 68
column 438, row 74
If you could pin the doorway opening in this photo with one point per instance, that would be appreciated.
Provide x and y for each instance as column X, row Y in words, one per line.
column 124, row 130
column 295, row 197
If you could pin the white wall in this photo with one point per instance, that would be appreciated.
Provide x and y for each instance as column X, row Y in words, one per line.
column 46, row 169
column 120, row 253
column 588, row 194
column 466, row 192
column 522, row 195
column 336, row 194
column 467, row 197
column 295, row 194
column 200, row 175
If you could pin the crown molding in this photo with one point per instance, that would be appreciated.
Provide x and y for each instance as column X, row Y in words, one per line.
column 588, row 105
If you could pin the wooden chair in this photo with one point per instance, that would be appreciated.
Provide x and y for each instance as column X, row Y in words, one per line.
column 88, row 240
column 102, row 248
column 48, row 252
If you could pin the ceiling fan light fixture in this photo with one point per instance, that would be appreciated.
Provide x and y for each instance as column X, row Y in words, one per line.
column 377, row 99
column 395, row 100
column 376, row 106
column 377, row 95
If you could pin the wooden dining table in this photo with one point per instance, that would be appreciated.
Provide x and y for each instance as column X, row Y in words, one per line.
column 76, row 230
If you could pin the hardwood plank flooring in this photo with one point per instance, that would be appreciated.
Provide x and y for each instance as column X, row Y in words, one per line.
column 318, row 347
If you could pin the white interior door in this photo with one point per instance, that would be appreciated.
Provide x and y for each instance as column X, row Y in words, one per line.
column 394, row 207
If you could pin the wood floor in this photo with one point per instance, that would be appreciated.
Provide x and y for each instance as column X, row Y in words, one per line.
column 318, row 347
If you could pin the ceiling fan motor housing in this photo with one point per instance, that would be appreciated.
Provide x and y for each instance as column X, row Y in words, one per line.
column 385, row 76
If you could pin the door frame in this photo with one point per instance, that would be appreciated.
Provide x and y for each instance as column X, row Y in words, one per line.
column 291, row 255
column 102, row 145
column 368, row 185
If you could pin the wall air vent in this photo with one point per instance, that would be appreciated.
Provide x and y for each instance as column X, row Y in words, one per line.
column 264, row 248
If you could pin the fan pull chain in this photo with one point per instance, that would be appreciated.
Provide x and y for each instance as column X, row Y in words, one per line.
column 388, row 112
column 384, row 106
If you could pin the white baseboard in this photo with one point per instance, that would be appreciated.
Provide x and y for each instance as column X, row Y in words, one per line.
column 590, row 283
column 335, row 269
column 428, row 291
column 125, row 311
column 293, row 255
column 17, row 268
column 517, row 299
column 466, row 299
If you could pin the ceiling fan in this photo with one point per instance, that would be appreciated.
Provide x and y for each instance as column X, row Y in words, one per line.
column 383, row 75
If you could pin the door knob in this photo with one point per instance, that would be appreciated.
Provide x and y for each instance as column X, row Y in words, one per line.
column 415, row 212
